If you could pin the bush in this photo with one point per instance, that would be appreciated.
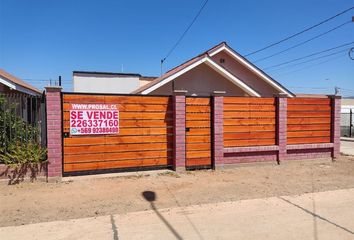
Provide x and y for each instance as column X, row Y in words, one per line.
column 19, row 141
column 18, row 154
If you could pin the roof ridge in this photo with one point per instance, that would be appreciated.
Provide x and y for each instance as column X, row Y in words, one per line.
column 199, row 55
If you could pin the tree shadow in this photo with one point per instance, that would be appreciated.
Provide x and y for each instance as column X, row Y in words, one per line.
column 150, row 196
column 17, row 174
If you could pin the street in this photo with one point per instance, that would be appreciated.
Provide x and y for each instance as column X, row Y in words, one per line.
column 323, row 215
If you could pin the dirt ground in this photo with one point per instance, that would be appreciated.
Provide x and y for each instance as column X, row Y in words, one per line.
column 41, row 202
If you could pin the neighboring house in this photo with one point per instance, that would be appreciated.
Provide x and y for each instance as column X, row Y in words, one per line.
column 219, row 69
column 12, row 84
column 347, row 117
column 25, row 98
column 347, row 104
column 108, row 82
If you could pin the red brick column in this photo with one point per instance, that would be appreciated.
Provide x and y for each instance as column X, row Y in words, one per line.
column 54, row 131
column 282, row 105
column 179, row 136
column 218, row 131
column 335, row 128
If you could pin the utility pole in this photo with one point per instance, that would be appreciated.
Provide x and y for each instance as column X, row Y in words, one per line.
column 162, row 60
column 336, row 90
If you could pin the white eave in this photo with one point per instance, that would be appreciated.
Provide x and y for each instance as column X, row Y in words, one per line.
column 17, row 87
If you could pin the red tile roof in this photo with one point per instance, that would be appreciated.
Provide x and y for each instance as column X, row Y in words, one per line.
column 17, row 81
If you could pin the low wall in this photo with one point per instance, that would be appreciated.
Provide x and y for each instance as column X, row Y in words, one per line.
column 30, row 173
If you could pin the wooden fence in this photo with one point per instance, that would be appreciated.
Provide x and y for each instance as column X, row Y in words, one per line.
column 198, row 132
column 309, row 120
column 144, row 139
column 249, row 121
column 191, row 132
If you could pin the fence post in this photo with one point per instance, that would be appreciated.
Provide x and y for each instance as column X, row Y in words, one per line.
column 179, row 130
column 54, row 132
column 335, row 124
column 282, row 105
column 218, row 131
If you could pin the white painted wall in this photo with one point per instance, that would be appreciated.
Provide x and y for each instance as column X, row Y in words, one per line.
column 201, row 81
column 347, row 104
column 102, row 83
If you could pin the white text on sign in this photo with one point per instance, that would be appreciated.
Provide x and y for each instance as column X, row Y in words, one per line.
column 94, row 119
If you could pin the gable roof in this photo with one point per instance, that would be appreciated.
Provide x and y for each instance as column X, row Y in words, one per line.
column 205, row 57
column 238, row 57
column 16, row 83
column 146, row 89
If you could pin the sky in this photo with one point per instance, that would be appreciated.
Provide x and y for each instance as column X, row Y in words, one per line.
column 42, row 39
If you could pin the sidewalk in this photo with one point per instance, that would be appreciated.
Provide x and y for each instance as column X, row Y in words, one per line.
column 347, row 147
column 324, row 215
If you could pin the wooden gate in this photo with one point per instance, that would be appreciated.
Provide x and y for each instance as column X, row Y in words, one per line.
column 198, row 133
column 144, row 139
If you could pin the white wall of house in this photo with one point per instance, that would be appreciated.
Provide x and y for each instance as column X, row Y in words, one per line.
column 248, row 76
column 201, row 81
column 347, row 104
column 105, row 83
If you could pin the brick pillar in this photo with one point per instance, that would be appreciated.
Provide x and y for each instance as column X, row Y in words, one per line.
column 54, row 131
column 179, row 125
column 282, row 105
column 218, row 131
column 335, row 125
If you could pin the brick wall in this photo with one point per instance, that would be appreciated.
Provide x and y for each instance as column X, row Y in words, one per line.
column 218, row 138
column 179, row 136
column 54, row 131
column 335, row 134
column 32, row 173
column 281, row 127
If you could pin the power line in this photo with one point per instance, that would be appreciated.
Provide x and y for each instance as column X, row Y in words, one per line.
column 42, row 80
column 185, row 32
column 302, row 43
column 311, row 60
column 310, row 55
column 310, row 66
column 347, row 90
column 314, row 59
column 298, row 33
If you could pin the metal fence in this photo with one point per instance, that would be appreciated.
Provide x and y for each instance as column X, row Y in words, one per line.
column 347, row 121
column 22, row 118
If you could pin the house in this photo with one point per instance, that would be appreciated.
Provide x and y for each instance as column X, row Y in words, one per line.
column 108, row 82
column 11, row 84
column 218, row 69
column 25, row 98
column 347, row 117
